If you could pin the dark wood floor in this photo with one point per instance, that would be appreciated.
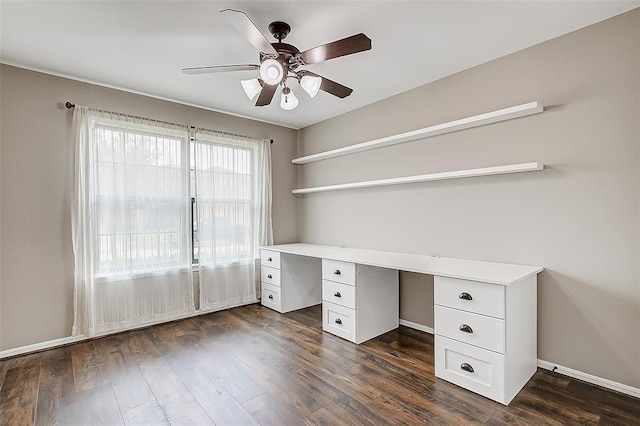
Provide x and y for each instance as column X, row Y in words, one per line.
column 251, row 365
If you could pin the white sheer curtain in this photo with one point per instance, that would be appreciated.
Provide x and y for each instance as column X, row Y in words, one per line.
column 233, row 215
column 131, row 222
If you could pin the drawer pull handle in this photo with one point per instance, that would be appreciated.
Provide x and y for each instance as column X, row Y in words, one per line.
column 271, row 296
column 466, row 367
column 269, row 259
column 269, row 276
column 337, row 294
column 466, row 328
column 336, row 272
column 465, row 296
column 338, row 321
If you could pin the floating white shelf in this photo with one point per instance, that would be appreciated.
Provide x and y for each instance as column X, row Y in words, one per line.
column 438, row 129
column 485, row 171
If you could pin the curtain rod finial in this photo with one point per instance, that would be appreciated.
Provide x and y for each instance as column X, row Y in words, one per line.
column 69, row 105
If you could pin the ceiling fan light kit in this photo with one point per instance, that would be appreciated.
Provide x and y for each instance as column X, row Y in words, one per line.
column 279, row 61
column 310, row 84
column 271, row 71
column 252, row 87
column 288, row 100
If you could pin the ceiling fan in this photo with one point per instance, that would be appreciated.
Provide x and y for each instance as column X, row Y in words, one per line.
column 281, row 61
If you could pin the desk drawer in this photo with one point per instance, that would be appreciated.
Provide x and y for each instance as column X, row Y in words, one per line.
column 342, row 272
column 478, row 330
column 271, row 297
column 338, row 293
column 472, row 296
column 478, row 370
column 339, row 320
column 270, row 275
column 270, row 258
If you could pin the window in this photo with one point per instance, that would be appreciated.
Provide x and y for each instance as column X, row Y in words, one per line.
column 137, row 227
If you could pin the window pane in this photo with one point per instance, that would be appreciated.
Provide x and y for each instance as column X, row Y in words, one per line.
column 140, row 200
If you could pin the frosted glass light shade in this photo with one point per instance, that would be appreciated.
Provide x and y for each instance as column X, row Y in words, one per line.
column 288, row 100
column 251, row 87
column 310, row 84
column 271, row 71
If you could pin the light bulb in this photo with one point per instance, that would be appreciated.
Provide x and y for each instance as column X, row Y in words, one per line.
column 310, row 84
column 271, row 71
column 251, row 87
column 288, row 100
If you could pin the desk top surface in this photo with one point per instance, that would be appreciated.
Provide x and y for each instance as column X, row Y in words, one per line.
column 475, row 270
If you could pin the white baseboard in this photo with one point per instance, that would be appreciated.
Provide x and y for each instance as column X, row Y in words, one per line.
column 36, row 347
column 585, row 377
column 416, row 326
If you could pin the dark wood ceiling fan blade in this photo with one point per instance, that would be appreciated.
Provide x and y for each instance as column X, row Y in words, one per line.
column 329, row 86
column 220, row 68
column 266, row 94
column 245, row 26
column 346, row 46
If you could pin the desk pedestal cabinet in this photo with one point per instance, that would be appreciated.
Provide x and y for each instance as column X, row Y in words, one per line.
column 359, row 302
column 290, row 282
column 485, row 335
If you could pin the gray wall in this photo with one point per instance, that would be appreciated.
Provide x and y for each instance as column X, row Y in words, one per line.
column 579, row 218
column 36, row 169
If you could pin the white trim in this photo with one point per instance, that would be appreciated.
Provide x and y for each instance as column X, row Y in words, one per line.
column 605, row 383
column 427, row 132
column 51, row 344
column 484, row 171
column 417, row 326
column 36, row 347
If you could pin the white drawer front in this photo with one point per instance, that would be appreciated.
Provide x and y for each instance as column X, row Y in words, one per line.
column 270, row 275
column 342, row 272
column 476, row 369
column 472, row 296
column 270, row 258
column 271, row 297
column 339, row 320
column 479, row 330
column 338, row 293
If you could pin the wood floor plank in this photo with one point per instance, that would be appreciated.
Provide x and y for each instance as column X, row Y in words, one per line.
column 163, row 338
column 422, row 380
column 129, row 385
column 19, row 394
column 95, row 406
column 237, row 383
column 269, row 411
column 88, row 366
column 397, row 389
column 146, row 414
column 607, row 401
column 563, row 410
column 343, row 404
column 57, row 385
column 219, row 404
column 175, row 400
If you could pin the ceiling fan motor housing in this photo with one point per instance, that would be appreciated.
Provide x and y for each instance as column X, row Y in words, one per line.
column 280, row 30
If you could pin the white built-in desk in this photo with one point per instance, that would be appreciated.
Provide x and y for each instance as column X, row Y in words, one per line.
column 485, row 312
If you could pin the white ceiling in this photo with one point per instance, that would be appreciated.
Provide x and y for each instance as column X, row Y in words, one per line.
column 141, row 46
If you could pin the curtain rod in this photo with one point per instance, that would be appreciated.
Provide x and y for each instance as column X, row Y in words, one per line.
column 69, row 105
